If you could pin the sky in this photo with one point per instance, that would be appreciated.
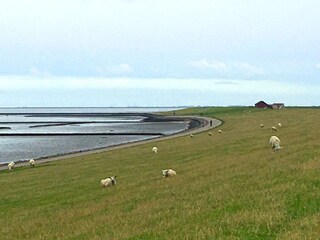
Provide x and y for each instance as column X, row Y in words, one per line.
column 101, row 53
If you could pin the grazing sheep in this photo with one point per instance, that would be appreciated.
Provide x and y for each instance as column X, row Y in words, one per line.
column 11, row 166
column 32, row 162
column 279, row 125
column 154, row 149
column 168, row 173
column 275, row 143
column 191, row 135
column 109, row 181
column 210, row 134
column 220, row 131
column 274, row 128
column 261, row 125
column 273, row 139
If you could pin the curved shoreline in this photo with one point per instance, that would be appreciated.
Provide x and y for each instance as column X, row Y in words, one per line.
column 197, row 125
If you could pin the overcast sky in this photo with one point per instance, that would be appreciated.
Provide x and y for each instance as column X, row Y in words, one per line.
column 159, row 52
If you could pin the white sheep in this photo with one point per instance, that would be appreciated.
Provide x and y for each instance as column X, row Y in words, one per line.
column 279, row 125
column 191, row 135
column 168, row 173
column 11, row 166
column 109, row 181
column 210, row 134
column 154, row 149
column 32, row 162
column 274, row 128
column 274, row 141
column 220, row 131
column 261, row 125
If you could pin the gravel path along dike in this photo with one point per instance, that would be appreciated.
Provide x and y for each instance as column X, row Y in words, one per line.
column 197, row 124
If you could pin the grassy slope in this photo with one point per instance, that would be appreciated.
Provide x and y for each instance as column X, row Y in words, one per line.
column 228, row 186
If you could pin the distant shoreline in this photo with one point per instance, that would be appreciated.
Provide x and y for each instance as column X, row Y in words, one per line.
column 196, row 124
column 147, row 117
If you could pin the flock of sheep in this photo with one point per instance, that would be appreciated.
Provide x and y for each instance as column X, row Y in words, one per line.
column 11, row 165
column 111, row 181
column 274, row 141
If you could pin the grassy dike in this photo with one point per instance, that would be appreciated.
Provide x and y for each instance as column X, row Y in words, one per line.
column 228, row 186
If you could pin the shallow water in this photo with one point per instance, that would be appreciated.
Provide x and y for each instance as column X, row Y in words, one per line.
column 19, row 148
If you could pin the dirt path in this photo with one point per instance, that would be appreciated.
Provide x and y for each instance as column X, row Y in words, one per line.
column 206, row 126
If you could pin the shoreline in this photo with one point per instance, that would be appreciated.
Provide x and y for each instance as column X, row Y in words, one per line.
column 196, row 124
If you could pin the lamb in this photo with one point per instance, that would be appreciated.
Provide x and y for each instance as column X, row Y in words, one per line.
column 109, row 181
column 210, row 134
column 191, row 135
column 275, row 143
column 274, row 128
column 168, row 173
column 261, row 125
column 279, row 125
column 154, row 149
column 32, row 162
column 11, row 166
column 220, row 131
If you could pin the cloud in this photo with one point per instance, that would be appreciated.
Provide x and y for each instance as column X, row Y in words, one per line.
column 202, row 85
column 318, row 65
column 228, row 69
column 129, row 1
column 205, row 64
column 114, row 70
column 35, row 72
column 156, row 92
column 121, row 68
column 248, row 68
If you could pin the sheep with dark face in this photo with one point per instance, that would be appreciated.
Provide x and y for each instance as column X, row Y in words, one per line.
column 168, row 173
column 109, row 181
column 274, row 141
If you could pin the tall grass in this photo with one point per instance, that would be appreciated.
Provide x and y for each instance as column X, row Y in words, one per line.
column 228, row 186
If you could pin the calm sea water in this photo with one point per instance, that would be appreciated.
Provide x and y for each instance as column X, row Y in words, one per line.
column 20, row 148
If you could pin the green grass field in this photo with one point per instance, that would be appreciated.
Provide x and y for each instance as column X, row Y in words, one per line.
column 228, row 186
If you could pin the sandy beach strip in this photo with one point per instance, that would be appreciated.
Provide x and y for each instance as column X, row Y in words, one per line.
column 203, row 126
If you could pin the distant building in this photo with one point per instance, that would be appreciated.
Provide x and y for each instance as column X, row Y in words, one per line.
column 262, row 104
column 278, row 105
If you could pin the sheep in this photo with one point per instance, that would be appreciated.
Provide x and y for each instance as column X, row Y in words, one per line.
column 168, row 173
column 32, row 162
column 191, row 135
column 155, row 150
column 261, row 125
column 210, row 134
column 220, row 131
column 279, row 125
column 109, row 181
column 274, row 128
column 11, row 166
column 274, row 141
